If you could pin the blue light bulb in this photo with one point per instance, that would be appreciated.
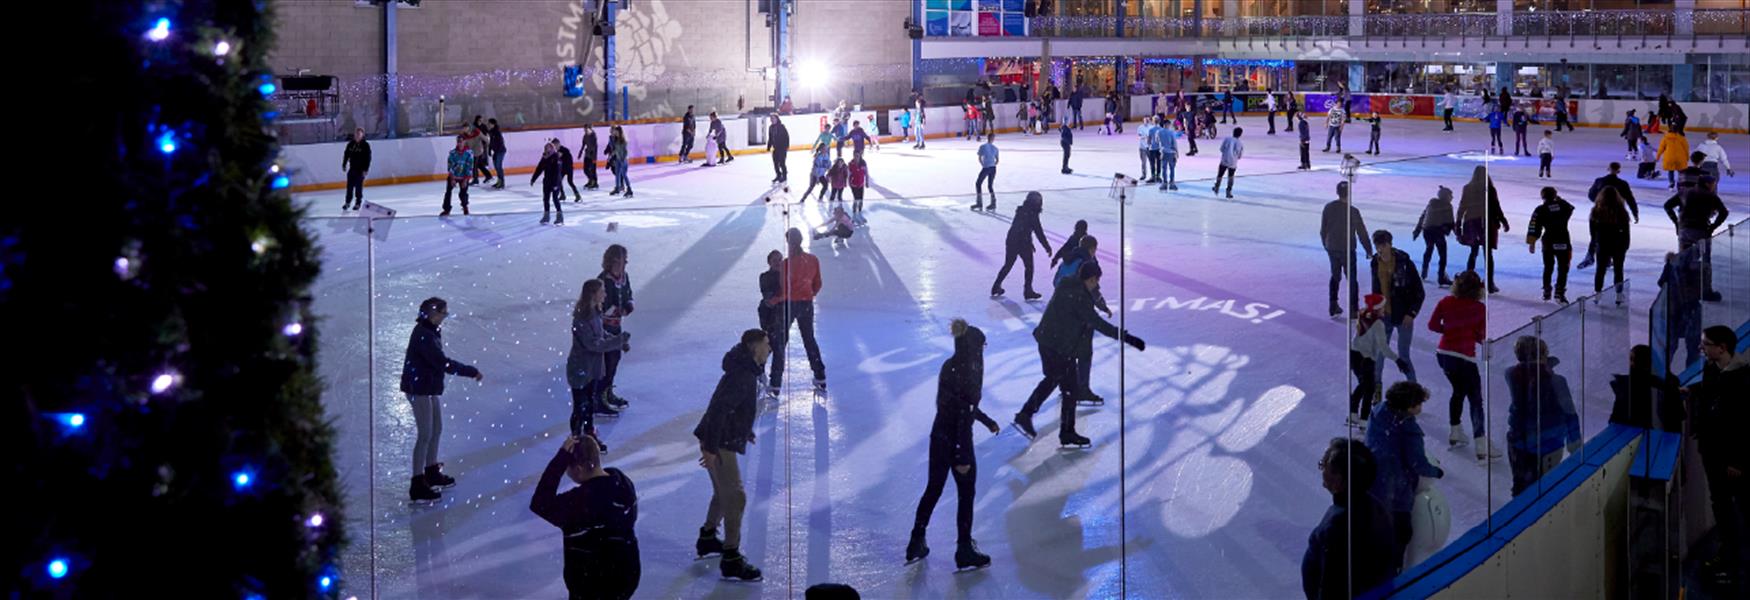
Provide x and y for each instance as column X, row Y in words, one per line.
column 58, row 568
column 167, row 142
column 326, row 582
column 160, row 30
column 281, row 182
column 268, row 88
column 241, row 479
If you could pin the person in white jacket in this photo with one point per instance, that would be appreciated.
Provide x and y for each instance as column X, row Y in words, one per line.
column 1546, row 154
column 1231, row 151
column 1716, row 157
column 1369, row 349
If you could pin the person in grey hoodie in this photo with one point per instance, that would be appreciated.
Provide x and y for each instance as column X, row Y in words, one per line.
column 1231, row 151
column 724, row 433
column 585, row 365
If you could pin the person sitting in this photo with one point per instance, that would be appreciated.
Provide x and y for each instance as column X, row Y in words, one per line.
column 839, row 228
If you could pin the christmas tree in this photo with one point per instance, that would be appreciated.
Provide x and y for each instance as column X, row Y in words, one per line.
column 168, row 419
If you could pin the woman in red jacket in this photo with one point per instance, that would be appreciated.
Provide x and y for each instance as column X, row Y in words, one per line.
column 1461, row 319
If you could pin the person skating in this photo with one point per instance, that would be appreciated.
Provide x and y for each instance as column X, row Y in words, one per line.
column 1396, row 441
column 839, row 176
column 904, row 119
column 1521, row 125
column 588, row 150
column 598, row 518
column 1070, row 245
column 1373, row 131
column 1546, row 155
column 1340, row 228
column 356, row 161
column 817, row 173
column 1367, row 350
column 1541, row 420
column 859, row 180
column 1549, row 222
column 1632, row 133
column 1353, row 548
column 1715, row 156
column 1697, row 213
column 711, row 154
column 1189, row 126
column 1334, row 121
column 771, row 288
column 720, row 134
column 1305, row 142
column 1270, row 109
column 1562, row 118
column 1066, row 334
column 724, row 432
column 1019, row 244
column 1145, row 150
column 1480, row 222
column 1448, row 104
column 1227, row 107
column 1065, row 139
column 547, row 172
column 1231, row 152
column 778, row 143
column 566, row 168
column 1719, row 410
column 1081, row 251
column 1292, row 111
column 617, row 161
column 1076, row 96
column 616, row 306
column 1496, row 120
column 987, row 172
column 422, row 379
column 1461, row 319
column 1673, row 155
column 1433, row 226
column 1394, row 280
column 585, row 364
column 1624, row 194
column 1166, row 143
column 461, row 167
column 475, row 136
column 858, row 138
column 922, row 119
column 839, row 227
column 495, row 145
column 689, row 130
column 801, row 284
column 1609, row 225
column 959, row 388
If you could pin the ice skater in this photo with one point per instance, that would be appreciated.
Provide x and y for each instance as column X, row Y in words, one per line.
column 616, row 306
column 959, row 389
column 839, row 175
column 817, row 173
column 1334, row 120
column 778, row 143
column 356, row 161
column 495, row 145
column 1448, row 104
column 1609, row 225
column 585, row 365
column 987, row 172
column 617, row 156
column 839, row 227
column 1624, row 194
column 858, row 138
column 1715, row 156
column 1396, row 441
column 547, row 171
column 1227, row 107
column 1496, row 121
column 771, row 288
column 588, row 150
column 1631, row 133
column 1366, row 350
column 720, row 134
column 1562, row 117
column 461, row 166
column 859, row 180
column 1373, row 130
column 1395, row 280
column 1081, row 251
column 1546, row 155
column 567, row 166
column 724, row 433
column 422, row 379
column 1166, row 142
column 1521, row 125
column 1461, row 319
column 598, row 518
column 1340, row 228
column 689, row 131
column 1270, row 110
column 1019, row 244
column 1697, row 213
column 1065, row 139
column 1231, row 151
column 904, row 121
column 801, row 284
column 1305, row 142
column 1433, row 227
column 1066, row 334
column 1673, row 156
column 1293, row 110
column 1480, row 222
column 476, row 139
column 1145, row 151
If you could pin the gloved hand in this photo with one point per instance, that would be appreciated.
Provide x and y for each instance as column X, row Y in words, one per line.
column 1135, row 342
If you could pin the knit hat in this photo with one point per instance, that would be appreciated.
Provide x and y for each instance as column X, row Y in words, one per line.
column 1373, row 301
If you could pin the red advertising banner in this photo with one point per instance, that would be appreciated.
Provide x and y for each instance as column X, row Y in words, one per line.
column 1421, row 106
column 990, row 24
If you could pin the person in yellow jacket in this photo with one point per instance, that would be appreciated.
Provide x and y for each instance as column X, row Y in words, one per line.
column 1673, row 155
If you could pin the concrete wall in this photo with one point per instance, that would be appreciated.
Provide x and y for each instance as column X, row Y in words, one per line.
column 328, row 37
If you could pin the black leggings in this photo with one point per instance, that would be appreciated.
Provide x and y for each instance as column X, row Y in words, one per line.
column 1467, row 383
column 1556, row 262
column 583, row 403
column 813, row 181
column 1361, row 400
column 1060, row 374
column 1337, row 266
column 1012, row 253
column 1495, row 140
column 1434, row 239
column 1608, row 258
column 1488, row 262
column 941, row 466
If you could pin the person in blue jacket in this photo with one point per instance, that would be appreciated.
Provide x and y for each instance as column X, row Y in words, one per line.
column 1496, row 119
column 422, row 379
column 1346, row 555
column 1540, row 416
column 1396, row 441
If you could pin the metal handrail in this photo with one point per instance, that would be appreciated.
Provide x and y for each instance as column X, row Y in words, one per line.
column 1723, row 22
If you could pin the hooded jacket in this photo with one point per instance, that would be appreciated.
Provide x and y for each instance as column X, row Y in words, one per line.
column 547, row 171
column 1396, row 441
column 590, row 342
column 1540, row 417
column 423, row 368
column 728, row 421
column 959, row 388
column 1025, row 225
column 566, row 162
column 1070, row 321
column 1404, row 294
column 597, row 517
column 1437, row 216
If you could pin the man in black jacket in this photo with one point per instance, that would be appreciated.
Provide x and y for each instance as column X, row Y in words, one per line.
column 1609, row 180
column 566, row 167
column 588, row 150
column 1352, row 549
column 1549, row 222
column 1339, row 236
column 724, row 433
column 548, row 173
column 778, row 143
column 1066, row 334
column 1720, row 409
column 959, row 388
column 1395, row 277
column 355, row 161
column 689, row 127
column 1702, row 212
column 495, row 145
column 1020, row 244
column 422, row 379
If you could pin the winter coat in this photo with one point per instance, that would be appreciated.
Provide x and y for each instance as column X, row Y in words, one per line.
column 476, row 141
column 1231, row 151
column 461, row 164
column 617, row 150
column 1404, row 294
column 1622, row 191
column 357, row 157
column 588, row 147
column 1699, row 210
column 1721, row 411
column 1372, row 345
column 1631, row 129
column 822, row 163
column 801, row 277
column 597, row 519
column 1070, row 247
column 859, row 173
column 1069, row 322
column 1715, row 154
column 1479, row 215
column 1462, row 324
column 1636, row 403
column 1496, row 120
column 1549, row 222
column 1673, row 152
column 1396, row 441
column 618, row 302
column 838, row 175
column 1026, row 223
column 1065, row 137
column 959, row 388
column 589, row 345
column 566, row 163
column 1436, row 217
column 728, row 421
column 547, row 171
column 1340, row 236
column 777, row 137
column 423, row 368
column 1540, row 415
column 689, row 124
column 1331, row 559
column 1610, row 237
column 495, row 139
column 1520, row 122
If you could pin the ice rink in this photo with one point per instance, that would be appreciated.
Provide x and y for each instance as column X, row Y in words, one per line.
column 1202, row 480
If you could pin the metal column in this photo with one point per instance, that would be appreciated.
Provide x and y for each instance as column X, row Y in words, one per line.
column 609, row 58
column 391, row 66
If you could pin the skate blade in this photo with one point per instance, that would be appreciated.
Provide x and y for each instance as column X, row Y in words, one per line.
column 913, row 561
column 1023, row 432
column 707, row 556
column 740, row 580
column 422, row 503
column 1073, row 447
column 959, row 569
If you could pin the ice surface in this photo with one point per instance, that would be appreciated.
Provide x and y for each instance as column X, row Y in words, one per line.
column 1202, row 480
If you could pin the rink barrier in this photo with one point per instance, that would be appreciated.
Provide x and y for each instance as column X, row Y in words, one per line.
column 1568, row 542
column 316, row 167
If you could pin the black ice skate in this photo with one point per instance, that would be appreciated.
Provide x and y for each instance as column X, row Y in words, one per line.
column 602, row 409
column 1031, row 295
column 820, row 385
column 967, row 557
column 546, row 218
column 614, row 400
column 1073, row 440
column 979, row 205
column 708, row 544
column 1024, row 424
column 996, row 292
column 1091, row 399
column 734, row 567
column 435, row 478
column 917, row 549
column 419, row 494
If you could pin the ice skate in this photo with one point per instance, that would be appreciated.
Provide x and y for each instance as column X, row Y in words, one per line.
column 1024, row 424
column 420, row 494
column 1485, row 451
column 996, row 292
column 820, row 385
column 734, row 567
column 603, row 410
column 1457, row 438
column 978, row 204
column 435, row 477
column 916, row 550
column 1353, row 420
column 1031, row 295
column 1073, row 440
column 1585, row 263
column 446, row 212
column 614, row 400
column 1562, row 298
column 546, row 218
column 708, row 544
column 1091, row 399
column 968, row 558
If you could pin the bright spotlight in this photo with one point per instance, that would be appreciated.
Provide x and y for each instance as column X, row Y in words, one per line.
column 812, row 74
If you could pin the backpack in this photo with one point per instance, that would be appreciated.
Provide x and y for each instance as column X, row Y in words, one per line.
column 1067, row 270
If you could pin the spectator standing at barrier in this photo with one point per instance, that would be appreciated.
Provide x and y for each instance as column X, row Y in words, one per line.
column 1720, row 411
column 1340, row 228
column 1541, row 419
column 778, row 143
column 588, row 150
column 597, row 519
column 422, row 379
column 1434, row 225
column 1394, row 279
column 1697, row 213
column 1227, row 107
column 495, row 144
column 1396, row 440
column 1715, row 156
column 356, row 161
column 689, row 129
column 1351, row 550
column 1334, row 127
column 461, row 165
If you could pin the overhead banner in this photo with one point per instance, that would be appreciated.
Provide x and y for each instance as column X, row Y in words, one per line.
column 974, row 18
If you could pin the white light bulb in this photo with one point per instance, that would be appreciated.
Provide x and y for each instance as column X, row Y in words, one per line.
column 222, row 48
column 163, row 382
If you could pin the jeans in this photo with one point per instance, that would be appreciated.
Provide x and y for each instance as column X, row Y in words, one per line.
column 428, row 424
column 800, row 313
column 498, row 164
column 1060, row 373
column 965, row 487
column 1495, row 140
column 1065, row 165
column 1466, row 384
column 550, row 197
column 1228, row 171
column 1306, row 155
column 1556, row 260
column 621, row 181
column 1272, row 118
column 451, row 184
column 1026, row 256
column 1543, row 164
column 1434, row 239
column 355, row 186
column 686, row 146
column 779, row 168
column 1404, row 334
column 986, row 174
column 1337, row 261
column 1334, row 133
column 1145, row 157
column 1373, row 142
column 1171, row 160
column 728, row 499
column 1488, row 260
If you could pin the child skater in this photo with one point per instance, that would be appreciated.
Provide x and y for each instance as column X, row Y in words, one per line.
column 1373, row 134
column 839, row 228
column 1546, row 153
column 859, row 179
column 817, row 175
column 1434, row 225
column 1369, row 349
column 422, row 379
column 839, row 175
